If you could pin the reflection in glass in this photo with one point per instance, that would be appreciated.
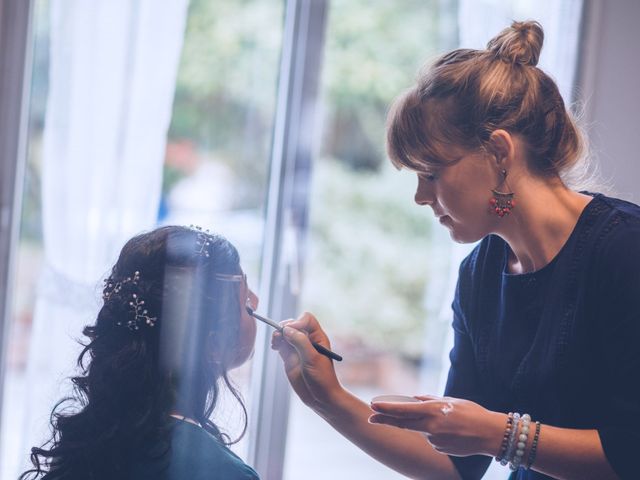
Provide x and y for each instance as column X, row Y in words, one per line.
column 379, row 272
column 218, row 145
column 213, row 171
column 375, row 263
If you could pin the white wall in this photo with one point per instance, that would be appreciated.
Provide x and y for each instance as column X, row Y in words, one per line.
column 609, row 84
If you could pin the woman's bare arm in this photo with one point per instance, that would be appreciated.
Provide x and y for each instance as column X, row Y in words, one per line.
column 313, row 378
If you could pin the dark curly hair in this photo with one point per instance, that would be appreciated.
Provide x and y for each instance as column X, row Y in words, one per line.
column 131, row 380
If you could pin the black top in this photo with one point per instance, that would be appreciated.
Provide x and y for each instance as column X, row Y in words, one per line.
column 194, row 454
column 561, row 343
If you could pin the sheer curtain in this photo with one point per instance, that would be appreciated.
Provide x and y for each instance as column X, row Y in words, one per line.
column 113, row 65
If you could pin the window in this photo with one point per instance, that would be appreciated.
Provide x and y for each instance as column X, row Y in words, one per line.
column 379, row 271
column 138, row 116
column 264, row 121
column 375, row 263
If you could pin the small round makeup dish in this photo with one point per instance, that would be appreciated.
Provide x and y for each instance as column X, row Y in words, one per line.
column 395, row 399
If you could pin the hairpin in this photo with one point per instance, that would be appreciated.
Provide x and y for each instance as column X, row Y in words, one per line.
column 112, row 287
column 141, row 314
column 203, row 241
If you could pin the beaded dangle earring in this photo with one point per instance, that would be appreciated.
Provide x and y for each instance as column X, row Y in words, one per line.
column 502, row 202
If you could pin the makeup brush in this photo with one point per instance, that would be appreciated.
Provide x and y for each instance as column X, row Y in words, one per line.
column 324, row 351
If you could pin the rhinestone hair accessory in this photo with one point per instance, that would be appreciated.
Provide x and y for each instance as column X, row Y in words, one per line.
column 203, row 241
column 139, row 315
column 112, row 287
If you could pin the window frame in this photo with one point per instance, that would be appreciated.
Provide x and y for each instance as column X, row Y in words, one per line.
column 15, row 87
column 292, row 152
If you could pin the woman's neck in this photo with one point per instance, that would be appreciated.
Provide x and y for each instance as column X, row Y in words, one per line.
column 545, row 215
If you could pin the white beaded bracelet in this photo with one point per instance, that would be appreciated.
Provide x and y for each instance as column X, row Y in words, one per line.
column 521, row 444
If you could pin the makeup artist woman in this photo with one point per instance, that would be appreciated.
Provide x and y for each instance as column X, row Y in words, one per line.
column 545, row 368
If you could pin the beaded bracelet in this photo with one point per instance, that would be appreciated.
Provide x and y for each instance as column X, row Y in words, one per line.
column 505, row 438
column 512, row 443
column 534, row 447
column 521, row 444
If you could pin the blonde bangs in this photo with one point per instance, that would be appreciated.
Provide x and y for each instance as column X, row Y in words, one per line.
column 413, row 137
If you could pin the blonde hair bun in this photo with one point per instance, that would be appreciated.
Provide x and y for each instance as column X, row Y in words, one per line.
column 520, row 43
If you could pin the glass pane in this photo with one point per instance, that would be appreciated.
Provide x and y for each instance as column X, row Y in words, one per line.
column 215, row 175
column 219, row 142
column 29, row 261
column 377, row 267
column 380, row 272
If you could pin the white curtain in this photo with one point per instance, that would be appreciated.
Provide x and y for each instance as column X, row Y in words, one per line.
column 113, row 65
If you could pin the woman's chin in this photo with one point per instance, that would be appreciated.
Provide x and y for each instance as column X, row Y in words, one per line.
column 242, row 357
column 463, row 237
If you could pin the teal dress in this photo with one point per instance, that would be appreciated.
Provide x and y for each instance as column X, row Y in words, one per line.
column 194, row 454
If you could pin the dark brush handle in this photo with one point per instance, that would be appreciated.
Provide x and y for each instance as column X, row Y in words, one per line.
column 326, row 352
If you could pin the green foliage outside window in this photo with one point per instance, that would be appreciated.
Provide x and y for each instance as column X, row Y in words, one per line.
column 368, row 241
